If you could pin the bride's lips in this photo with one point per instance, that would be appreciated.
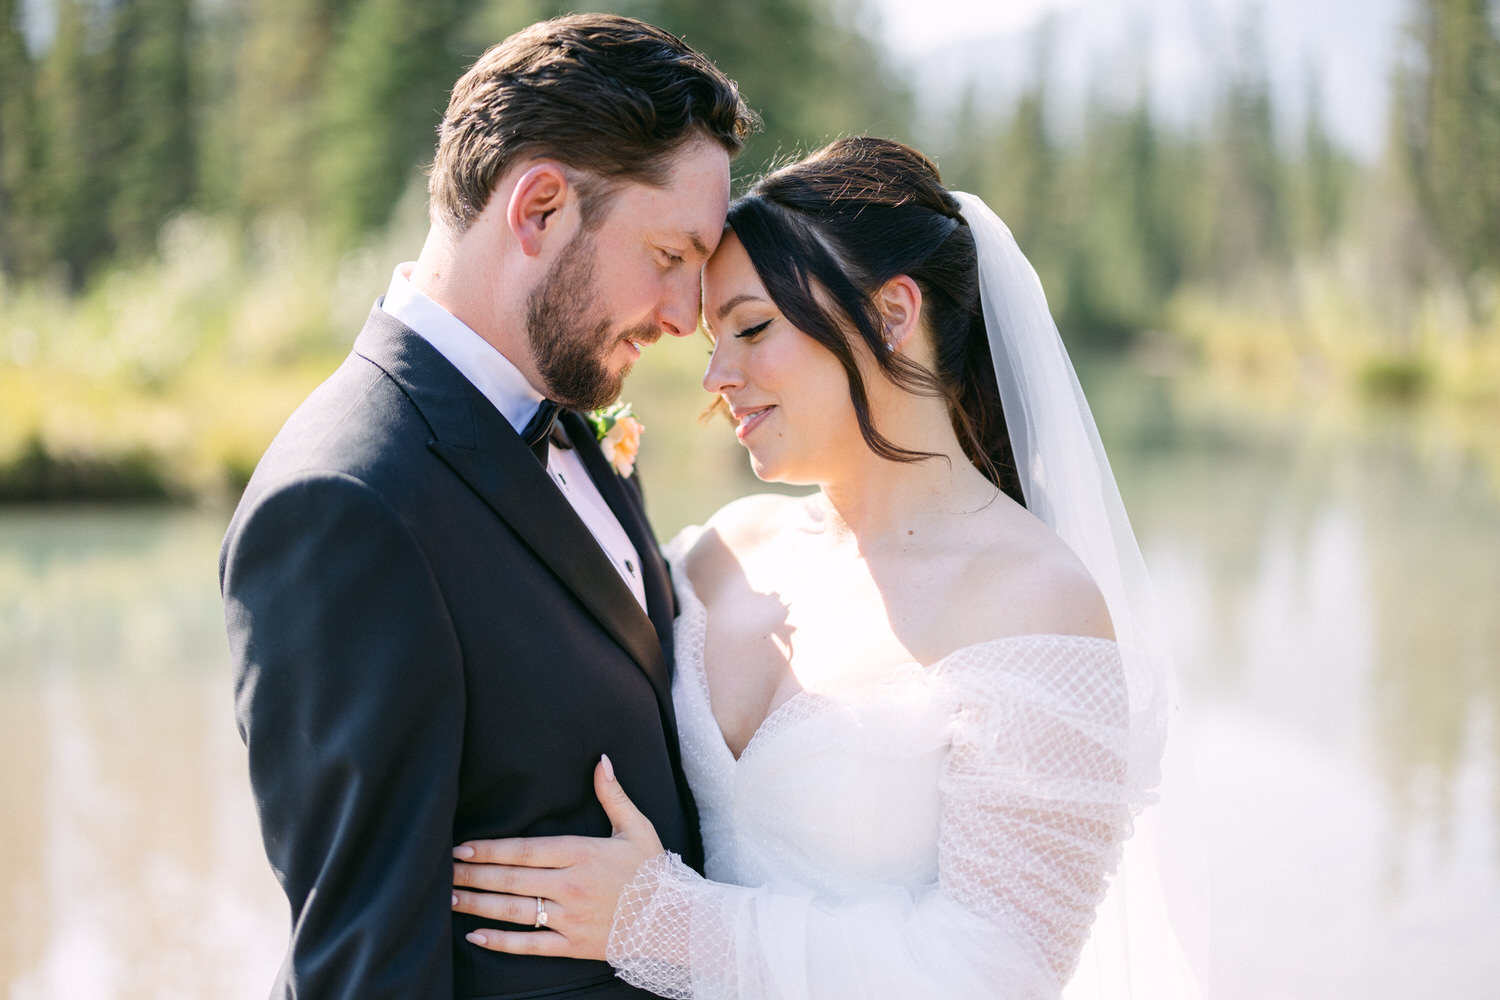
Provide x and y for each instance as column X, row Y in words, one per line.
column 747, row 418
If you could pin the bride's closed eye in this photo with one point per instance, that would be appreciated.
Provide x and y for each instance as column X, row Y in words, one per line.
column 750, row 332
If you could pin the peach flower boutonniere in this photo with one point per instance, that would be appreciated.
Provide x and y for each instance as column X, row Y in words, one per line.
column 619, row 436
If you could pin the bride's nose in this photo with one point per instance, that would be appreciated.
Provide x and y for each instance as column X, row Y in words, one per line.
column 723, row 371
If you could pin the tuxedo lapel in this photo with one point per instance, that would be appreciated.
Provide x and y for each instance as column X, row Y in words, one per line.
column 480, row 446
column 624, row 500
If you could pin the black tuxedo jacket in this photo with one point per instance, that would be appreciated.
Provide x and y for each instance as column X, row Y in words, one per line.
column 429, row 646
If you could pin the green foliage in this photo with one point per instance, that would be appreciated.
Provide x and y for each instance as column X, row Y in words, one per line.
column 37, row 475
column 1398, row 379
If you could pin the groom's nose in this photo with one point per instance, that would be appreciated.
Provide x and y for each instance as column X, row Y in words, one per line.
column 678, row 313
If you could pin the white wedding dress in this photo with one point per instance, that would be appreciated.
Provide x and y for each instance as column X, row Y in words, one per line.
column 942, row 831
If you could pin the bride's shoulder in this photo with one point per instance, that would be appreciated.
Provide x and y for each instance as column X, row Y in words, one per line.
column 1026, row 580
column 752, row 520
column 736, row 530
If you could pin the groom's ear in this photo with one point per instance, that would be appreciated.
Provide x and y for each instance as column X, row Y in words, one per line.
column 899, row 301
column 534, row 212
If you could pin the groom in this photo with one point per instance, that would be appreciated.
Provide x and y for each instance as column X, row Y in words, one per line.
column 442, row 606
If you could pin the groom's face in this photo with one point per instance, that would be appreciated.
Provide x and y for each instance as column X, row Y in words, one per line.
column 614, row 290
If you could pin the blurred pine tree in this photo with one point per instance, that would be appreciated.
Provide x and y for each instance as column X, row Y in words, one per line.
column 1251, row 227
column 74, row 121
column 1447, row 133
column 1325, row 179
column 152, row 163
column 280, row 51
column 383, row 94
column 20, row 243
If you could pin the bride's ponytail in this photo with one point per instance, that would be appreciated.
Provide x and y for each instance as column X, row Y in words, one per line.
column 965, row 368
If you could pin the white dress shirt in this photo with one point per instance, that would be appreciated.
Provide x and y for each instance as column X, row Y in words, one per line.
column 504, row 385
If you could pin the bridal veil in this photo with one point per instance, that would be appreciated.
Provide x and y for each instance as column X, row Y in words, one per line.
column 1150, row 937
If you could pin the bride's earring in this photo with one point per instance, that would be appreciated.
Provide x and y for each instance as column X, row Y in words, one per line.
column 900, row 303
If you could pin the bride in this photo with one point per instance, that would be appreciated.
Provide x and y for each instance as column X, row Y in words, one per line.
column 920, row 708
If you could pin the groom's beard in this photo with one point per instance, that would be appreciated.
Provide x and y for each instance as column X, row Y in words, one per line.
column 572, row 347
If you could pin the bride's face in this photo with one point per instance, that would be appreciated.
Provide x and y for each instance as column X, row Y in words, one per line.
column 787, row 394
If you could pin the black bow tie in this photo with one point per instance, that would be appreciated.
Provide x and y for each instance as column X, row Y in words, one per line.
column 539, row 429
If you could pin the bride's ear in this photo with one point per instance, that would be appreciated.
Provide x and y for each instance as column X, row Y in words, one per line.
column 899, row 302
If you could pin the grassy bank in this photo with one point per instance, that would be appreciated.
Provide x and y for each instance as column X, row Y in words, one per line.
column 166, row 380
column 1319, row 341
column 1315, row 332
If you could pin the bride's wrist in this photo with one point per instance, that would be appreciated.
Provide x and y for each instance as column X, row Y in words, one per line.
column 640, row 911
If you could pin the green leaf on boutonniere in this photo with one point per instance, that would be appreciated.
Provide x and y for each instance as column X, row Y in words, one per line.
column 604, row 419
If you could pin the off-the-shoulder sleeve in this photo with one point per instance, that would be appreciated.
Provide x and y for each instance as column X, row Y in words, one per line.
column 1042, row 774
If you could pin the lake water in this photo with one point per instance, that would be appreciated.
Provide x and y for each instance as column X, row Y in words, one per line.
column 1334, row 593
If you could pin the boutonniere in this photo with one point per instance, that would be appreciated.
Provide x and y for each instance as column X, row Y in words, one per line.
column 619, row 436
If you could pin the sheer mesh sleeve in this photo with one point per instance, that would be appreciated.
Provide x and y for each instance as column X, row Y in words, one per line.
column 1042, row 773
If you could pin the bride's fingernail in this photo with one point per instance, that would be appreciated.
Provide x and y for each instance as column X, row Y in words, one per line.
column 463, row 852
column 474, row 937
column 455, row 899
column 609, row 768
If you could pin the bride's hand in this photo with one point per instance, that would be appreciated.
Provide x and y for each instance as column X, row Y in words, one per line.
column 576, row 881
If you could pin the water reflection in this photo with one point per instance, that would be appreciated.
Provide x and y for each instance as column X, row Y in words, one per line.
column 131, row 862
column 1333, row 595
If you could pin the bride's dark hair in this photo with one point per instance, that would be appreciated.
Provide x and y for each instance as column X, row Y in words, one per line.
column 846, row 220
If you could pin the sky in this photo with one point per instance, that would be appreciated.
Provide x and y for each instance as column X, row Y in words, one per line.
column 1345, row 47
column 916, row 26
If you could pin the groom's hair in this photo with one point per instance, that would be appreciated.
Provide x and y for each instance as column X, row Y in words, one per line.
column 610, row 97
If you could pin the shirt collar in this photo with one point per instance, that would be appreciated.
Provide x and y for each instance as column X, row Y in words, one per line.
column 476, row 359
